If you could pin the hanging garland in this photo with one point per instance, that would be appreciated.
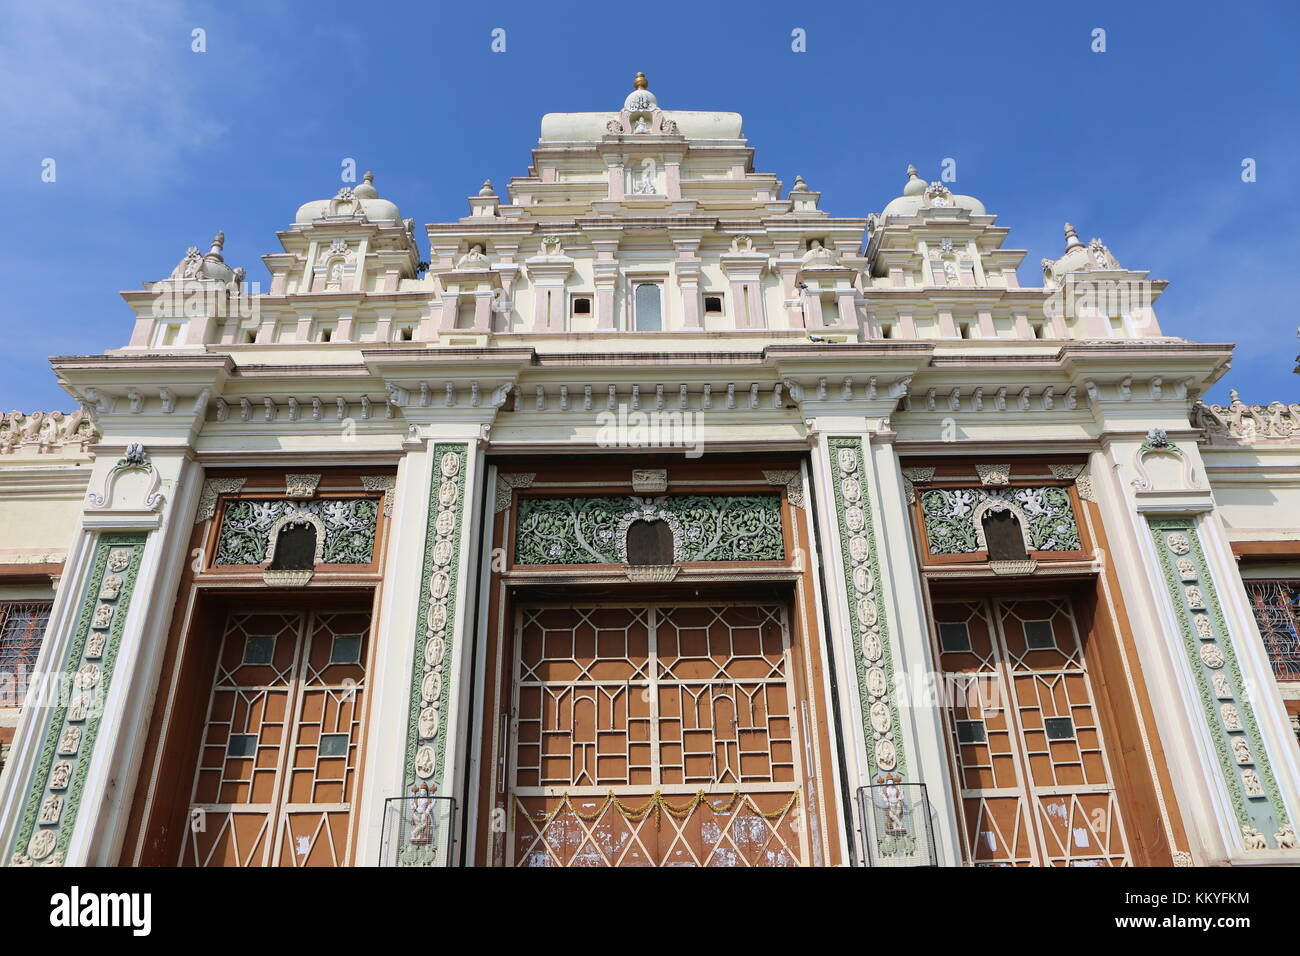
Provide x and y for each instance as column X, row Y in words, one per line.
column 657, row 805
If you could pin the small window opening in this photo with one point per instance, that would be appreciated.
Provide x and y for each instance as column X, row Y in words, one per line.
column 1002, row 536
column 581, row 305
column 953, row 636
column 1039, row 332
column 295, row 548
column 649, row 542
column 887, row 330
column 963, row 329
column 713, row 305
column 405, row 333
column 250, row 336
column 1039, row 635
column 326, row 334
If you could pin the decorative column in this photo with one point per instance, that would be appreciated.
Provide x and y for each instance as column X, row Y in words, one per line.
column 893, row 728
column 1233, row 762
column 67, row 795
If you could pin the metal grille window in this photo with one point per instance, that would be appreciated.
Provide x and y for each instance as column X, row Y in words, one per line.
column 1277, row 612
column 22, row 627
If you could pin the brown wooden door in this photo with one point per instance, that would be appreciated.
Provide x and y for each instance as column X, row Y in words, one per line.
column 655, row 735
column 1027, row 746
column 281, row 748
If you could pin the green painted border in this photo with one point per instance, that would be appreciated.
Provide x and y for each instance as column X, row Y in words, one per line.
column 886, row 662
column 461, row 450
column 1209, row 700
column 54, row 723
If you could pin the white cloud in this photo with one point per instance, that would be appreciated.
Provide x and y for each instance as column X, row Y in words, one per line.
column 112, row 92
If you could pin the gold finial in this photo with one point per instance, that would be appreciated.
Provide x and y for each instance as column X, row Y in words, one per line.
column 640, row 82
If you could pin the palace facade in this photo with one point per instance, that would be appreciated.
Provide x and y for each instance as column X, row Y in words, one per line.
column 660, row 517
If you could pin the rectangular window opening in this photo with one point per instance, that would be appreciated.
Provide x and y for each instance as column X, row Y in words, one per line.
column 954, row 636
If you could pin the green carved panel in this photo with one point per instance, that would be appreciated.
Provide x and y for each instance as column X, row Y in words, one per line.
column 1046, row 514
column 865, row 609
column 1228, row 713
column 75, row 705
column 593, row 530
column 426, row 737
column 349, row 526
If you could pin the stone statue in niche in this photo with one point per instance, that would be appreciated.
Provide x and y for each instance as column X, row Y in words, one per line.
column 818, row 255
column 422, row 812
column 895, row 807
column 474, row 259
column 646, row 184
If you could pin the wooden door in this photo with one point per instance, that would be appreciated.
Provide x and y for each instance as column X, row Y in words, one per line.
column 655, row 735
column 1027, row 747
column 281, row 746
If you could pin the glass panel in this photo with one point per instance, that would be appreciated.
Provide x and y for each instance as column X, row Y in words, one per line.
column 334, row 745
column 1059, row 728
column 346, row 650
column 1039, row 636
column 259, row 650
column 953, row 636
column 241, row 745
column 971, row 732
column 647, row 305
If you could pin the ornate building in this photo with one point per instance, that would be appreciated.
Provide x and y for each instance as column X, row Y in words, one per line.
column 661, row 517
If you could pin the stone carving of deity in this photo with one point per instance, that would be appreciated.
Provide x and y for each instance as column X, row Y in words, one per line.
column 424, row 762
column 1231, row 719
column 1241, row 750
column 895, row 807
column 1250, row 780
column 95, row 645
column 818, row 255
column 645, row 184
column 51, row 809
column 474, row 259
column 118, row 559
column 70, row 742
column 1221, row 688
column 1194, row 597
column 1203, row 626
column 103, row 616
column 111, row 587
column 421, row 819
column 60, row 775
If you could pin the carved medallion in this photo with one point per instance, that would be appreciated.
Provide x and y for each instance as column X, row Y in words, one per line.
column 1212, row 655
column 1178, row 543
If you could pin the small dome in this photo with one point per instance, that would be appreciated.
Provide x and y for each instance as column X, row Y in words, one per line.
column 1094, row 257
column 640, row 100
column 915, row 184
column 367, row 188
column 918, row 195
column 346, row 201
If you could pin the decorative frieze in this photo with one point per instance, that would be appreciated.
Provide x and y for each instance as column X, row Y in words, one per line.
column 704, row 527
column 83, row 678
column 953, row 526
column 426, row 739
column 345, row 528
column 1229, row 715
column 865, row 609
column 507, row 482
column 1239, row 423
column 384, row 483
column 213, row 489
column 793, row 481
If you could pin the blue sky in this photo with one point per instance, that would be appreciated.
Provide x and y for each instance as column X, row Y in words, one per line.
column 157, row 147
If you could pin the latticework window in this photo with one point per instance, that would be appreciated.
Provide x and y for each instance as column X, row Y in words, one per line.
column 22, row 626
column 1277, row 612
